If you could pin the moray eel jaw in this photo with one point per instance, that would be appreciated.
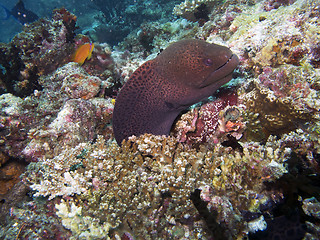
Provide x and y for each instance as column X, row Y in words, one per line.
column 222, row 74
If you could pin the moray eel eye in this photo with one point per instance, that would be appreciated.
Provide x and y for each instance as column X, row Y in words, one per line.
column 208, row 61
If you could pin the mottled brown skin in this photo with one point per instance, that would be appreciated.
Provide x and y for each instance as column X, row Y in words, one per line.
column 183, row 74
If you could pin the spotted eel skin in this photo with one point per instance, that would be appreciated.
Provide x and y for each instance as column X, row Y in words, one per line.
column 183, row 74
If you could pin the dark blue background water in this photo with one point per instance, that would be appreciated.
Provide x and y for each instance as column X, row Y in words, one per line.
column 105, row 20
column 8, row 28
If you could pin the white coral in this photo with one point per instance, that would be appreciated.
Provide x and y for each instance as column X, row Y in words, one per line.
column 82, row 227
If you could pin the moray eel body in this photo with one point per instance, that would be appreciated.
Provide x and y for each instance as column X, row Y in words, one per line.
column 183, row 74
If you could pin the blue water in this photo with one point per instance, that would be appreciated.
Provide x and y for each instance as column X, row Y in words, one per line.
column 104, row 20
column 10, row 27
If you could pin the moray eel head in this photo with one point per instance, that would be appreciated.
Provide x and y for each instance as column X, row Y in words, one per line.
column 198, row 63
column 183, row 74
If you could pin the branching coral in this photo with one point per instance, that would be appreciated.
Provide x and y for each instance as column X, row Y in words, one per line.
column 150, row 185
column 81, row 227
column 156, row 187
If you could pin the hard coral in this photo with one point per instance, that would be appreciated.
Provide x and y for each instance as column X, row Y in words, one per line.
column 220, row 19
column 315, row 57
column 31, row 219
column 36, row 126
column 77, row 121
column 81, row 85
column 14, row 76
column 287, row 35
column 69, row 20
column 82, row 227
column 274, row 4
column 10, row 174
column 101, row 63
column 154, row 186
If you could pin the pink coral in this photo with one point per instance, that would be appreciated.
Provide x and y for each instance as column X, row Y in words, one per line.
column 212, row 122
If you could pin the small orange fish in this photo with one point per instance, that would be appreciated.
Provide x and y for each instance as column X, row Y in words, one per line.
column 82, row 53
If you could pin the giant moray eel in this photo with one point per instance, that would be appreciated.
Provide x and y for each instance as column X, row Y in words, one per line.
column 183, row 74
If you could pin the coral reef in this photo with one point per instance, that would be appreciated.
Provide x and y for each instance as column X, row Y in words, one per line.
column 119, row 18
column 154, row 37
column 41, row 48
column 101, row 63
column 34, row 220
column 81, row 227
column 10, row 174
column 283, row 98
column 311, row 207
column 195, row 10
column 129, row 184
column 285, row 35
column 274, row 4
column 161, row 88
column 67, row 111
column 242, row 164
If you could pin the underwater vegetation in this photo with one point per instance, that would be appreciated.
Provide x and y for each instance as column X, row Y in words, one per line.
column 241, row 164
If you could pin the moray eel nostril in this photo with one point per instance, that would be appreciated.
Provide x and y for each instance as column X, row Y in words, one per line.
column 183, row 74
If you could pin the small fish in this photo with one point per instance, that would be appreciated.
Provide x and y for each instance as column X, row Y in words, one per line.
column 20, row 13
column 82, row 53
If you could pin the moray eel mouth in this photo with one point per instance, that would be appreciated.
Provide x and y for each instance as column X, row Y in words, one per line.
column 222, row 74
